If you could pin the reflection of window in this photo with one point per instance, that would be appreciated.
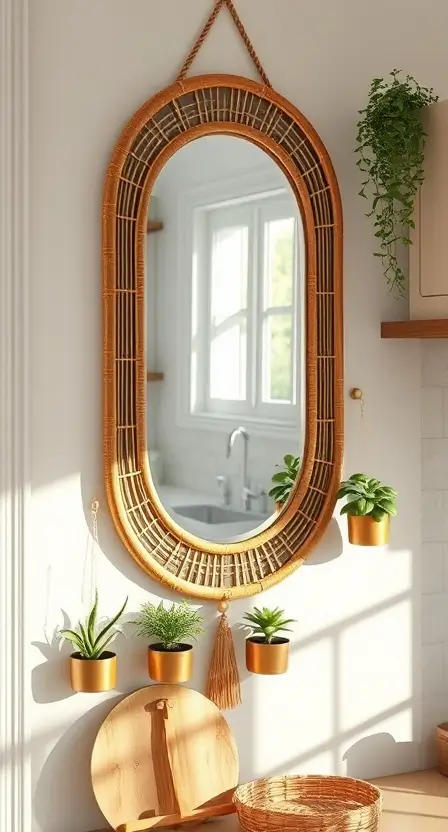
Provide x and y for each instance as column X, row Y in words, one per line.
column 245, row 305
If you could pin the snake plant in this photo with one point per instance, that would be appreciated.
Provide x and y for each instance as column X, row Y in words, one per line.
column 89, row 640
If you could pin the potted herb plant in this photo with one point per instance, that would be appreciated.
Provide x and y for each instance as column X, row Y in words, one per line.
column 170, row 659
column 267, row 652
column 92, row 667
column 369, row 508
column 284, row 480
column 391, row 143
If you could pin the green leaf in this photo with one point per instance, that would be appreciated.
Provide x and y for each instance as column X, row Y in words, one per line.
column 279, row 493
column 101, row 647
column 358, row 478
column 350, row 490
column 388, row 507
column 109, row 625
column 92, row 620
column 388, row 492
column 70, row 635
column 282, row 477
column 170, row 626
column 355, row 507
column 267, row 622
column 85, row 640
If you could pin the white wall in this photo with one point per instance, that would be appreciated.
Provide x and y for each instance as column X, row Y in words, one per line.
column 434, row 539
column 192, row 456
column 355, row 680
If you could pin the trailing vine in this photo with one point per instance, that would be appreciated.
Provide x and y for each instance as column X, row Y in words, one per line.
column 391, row 142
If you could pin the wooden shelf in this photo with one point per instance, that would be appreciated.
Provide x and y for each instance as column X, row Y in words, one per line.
column 415, row 329
column 155, row 376
column 154, row 225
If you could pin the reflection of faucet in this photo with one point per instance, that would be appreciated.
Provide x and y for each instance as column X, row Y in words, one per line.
column 248, row 495
column 224, row 487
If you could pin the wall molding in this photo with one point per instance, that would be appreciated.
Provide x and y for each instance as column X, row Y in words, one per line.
column 15, row 803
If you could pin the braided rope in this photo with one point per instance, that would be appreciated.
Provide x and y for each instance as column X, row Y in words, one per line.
column 238, row 23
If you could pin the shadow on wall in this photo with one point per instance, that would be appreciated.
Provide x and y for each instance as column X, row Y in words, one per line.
column 63, row 800
column 380, row 753
column 330, row 546
column 50, row 680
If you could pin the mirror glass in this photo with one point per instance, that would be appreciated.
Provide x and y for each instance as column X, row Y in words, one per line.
column 225, row 327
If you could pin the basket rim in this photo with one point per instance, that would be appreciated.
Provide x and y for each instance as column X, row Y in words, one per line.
column 302, row 778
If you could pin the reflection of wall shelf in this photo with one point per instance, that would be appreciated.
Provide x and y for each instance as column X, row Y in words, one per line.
column 154, row 225
column 437, row 328
column 155, row 376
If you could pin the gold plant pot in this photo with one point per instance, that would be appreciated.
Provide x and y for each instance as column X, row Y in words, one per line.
column 267, row 659
column 171, row 666
column 365, row 531
column 93, row 675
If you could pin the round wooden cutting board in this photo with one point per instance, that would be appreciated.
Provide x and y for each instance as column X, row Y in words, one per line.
column 167, row 753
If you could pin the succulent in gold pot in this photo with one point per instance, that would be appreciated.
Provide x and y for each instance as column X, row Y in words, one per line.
column 369, row 509
column 170, row 658
column 267, row 652
column 93, row 668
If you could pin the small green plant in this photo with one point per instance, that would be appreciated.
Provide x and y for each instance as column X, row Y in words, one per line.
column 285, row 479
column 87, row 640
column 368, row 497
column 267, row 623
column 391, row 143
column 169, row 626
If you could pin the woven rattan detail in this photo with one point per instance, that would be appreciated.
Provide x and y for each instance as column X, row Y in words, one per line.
column 185, row 111
column 308, row 804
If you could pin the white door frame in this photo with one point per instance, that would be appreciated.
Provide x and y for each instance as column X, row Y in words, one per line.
column 15, row 795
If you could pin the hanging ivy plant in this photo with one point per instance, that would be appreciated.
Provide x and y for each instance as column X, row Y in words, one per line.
column 391, row 141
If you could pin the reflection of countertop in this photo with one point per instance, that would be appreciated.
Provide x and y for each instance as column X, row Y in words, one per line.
column 413, row 802
column 171, row 496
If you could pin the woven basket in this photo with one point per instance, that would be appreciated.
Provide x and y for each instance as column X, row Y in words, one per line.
column 442, row 747
column 308, row 804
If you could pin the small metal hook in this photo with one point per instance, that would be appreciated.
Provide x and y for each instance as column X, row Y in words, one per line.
column 356, row 393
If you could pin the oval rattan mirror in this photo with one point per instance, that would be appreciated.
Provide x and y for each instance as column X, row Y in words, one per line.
column 188, row 110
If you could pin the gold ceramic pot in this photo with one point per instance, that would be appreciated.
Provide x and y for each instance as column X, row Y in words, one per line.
column 365, row 531
column 171, row 666
column 93, row 675
column 268, row 659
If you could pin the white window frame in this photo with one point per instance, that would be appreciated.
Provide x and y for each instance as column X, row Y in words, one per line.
column 269, row 420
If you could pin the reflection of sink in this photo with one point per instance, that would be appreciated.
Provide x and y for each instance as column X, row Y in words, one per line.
column 213, row 515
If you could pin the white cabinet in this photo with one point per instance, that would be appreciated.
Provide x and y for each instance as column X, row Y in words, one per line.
column 428, row 256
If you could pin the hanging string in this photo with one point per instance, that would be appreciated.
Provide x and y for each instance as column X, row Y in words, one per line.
column 357, row 395
column 363, row 430
column 239, row 25
column 89, row 580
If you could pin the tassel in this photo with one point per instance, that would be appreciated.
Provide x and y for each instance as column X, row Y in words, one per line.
column 223, row 684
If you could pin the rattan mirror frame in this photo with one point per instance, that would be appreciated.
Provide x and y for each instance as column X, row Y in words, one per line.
column 190, row 108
